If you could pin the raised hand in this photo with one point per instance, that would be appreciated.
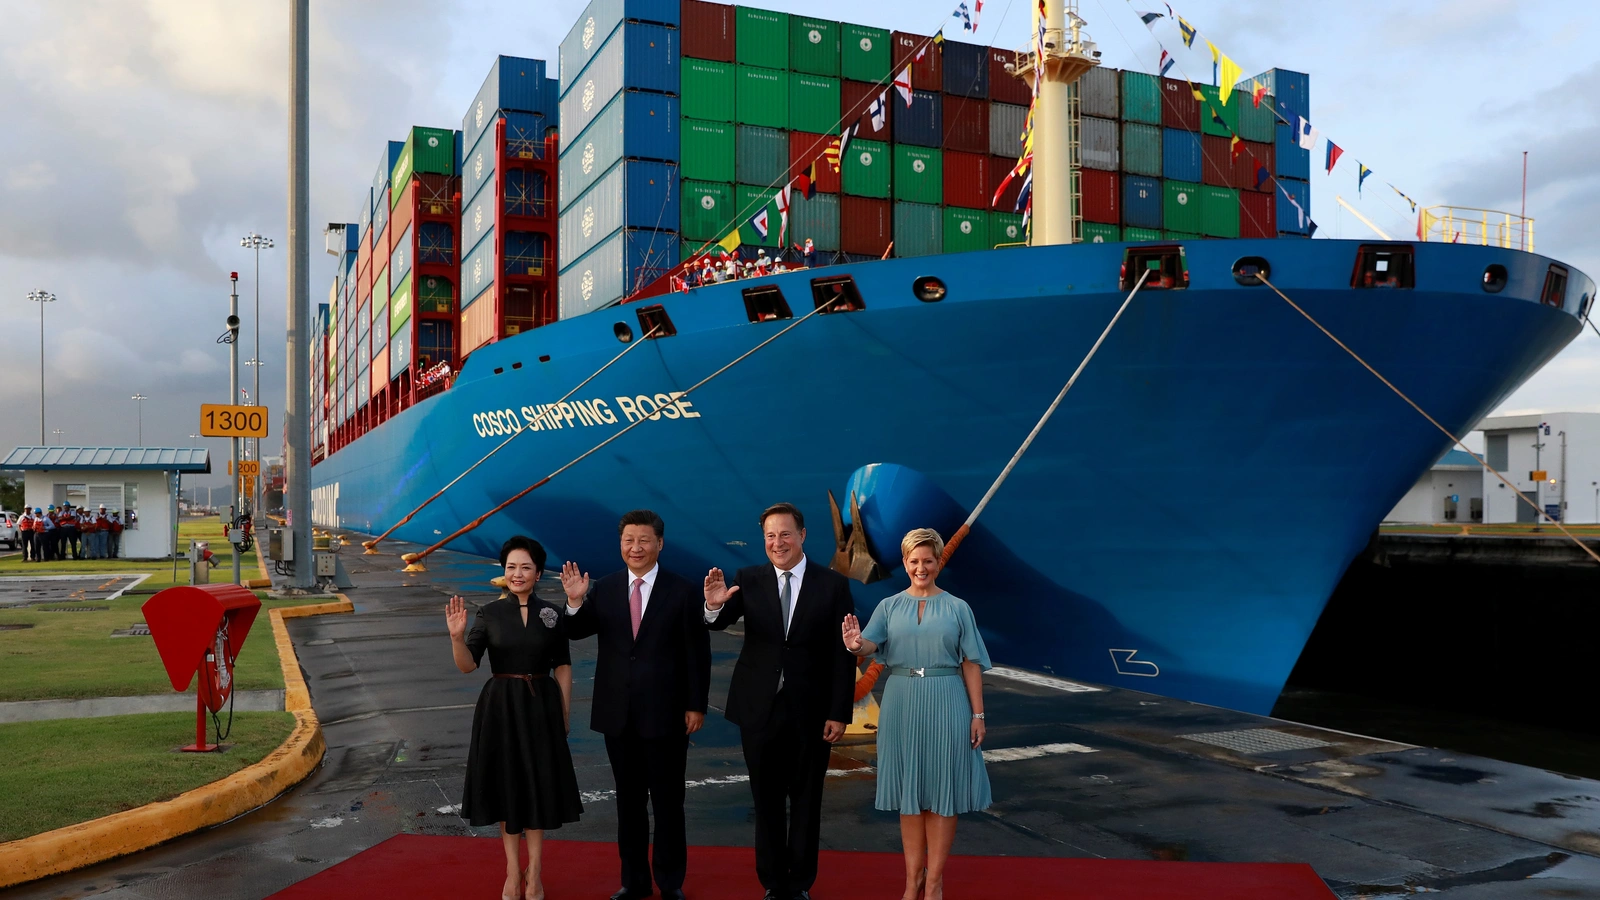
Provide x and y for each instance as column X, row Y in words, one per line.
column 852, row 633
column 717, row 590
column 575, row 582
column 455, row 617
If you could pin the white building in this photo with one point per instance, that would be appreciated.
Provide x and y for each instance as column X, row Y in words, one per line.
column 1554, row 458
column 1450, row 492
column 139, row 482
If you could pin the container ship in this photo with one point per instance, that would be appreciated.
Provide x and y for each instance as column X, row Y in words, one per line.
column 1176, row 528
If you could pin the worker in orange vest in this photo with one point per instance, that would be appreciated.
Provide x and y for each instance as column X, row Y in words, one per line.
column 44, row 532
column 25, row 533
column 89, row 527
column 115, row 530
column 67, row 526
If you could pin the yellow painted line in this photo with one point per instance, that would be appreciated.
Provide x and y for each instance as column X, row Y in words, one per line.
column 252, row 787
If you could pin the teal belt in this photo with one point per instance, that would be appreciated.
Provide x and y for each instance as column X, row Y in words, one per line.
column 926, row 671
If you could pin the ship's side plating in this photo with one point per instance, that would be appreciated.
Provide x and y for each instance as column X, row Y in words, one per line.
column 1178, row 526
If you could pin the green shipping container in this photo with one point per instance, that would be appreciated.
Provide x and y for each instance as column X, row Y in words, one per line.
column 1219, row 211
column 1212, row 108
column 918, row 174
column 761, row 97
column 707, row 90
column 1257, row 123
column 761, row 155
column 433, row 295
column 918, row 230
column 1179, row 236
column 1006, row 228
column 1096, row 233
column 817, row 219
column 707, row 211
column 814, row 46
column 864, row 53
column 707, row 150
column 430, row 150
column 1130, row 233
column 864, row 170
column 1141, row 98
column 1180, row 207
column 813, row 104
column 761, row 37
column 400, row 304
column 749, row 198
column 965, row 229
column 1141, row 149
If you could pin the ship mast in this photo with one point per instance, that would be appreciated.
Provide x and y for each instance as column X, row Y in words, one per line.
column 1068, row 54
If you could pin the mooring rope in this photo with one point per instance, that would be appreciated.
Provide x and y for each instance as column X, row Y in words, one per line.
column 1435, row 422
column 961, row 533
column 372, row 545
column 414, row 560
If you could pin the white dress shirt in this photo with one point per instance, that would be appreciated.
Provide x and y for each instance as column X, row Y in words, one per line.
column 798, row 573
column 644, row 590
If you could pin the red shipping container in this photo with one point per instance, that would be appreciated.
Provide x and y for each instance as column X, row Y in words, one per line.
column 926, row 75
column 803, row 149
column 855, row 97
column 1005, row 87
column 1245, row 167
column 966, row 180
column 1102, row 197
column 966, row 124
column 1258, row 214
column 999, row 168
column 380, row 251
column 706, row 31
column 1179, row 108
column 865, row 225
column 1217, row 165
column 364, row 254
column 404, row 211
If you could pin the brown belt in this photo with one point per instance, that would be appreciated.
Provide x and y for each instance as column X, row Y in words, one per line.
column 526, row 679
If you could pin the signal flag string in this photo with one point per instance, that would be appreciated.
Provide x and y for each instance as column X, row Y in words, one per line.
column 1434, row 422
column 961, row 533
column 414, row 560
column 372, row 545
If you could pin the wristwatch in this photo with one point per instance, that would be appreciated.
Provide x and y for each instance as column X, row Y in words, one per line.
column 977, row 715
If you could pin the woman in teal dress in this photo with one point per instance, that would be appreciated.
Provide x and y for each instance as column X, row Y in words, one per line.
column 931, row 728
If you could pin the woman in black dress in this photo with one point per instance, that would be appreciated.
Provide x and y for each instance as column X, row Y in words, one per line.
column 519, row 770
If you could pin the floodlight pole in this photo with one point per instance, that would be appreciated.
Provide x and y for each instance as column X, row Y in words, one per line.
column 233, row 398
column 297, row 399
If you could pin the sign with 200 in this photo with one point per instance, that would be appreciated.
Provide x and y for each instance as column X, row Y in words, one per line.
column 221, row 420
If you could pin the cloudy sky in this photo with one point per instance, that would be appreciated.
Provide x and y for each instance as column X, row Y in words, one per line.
column 148, row 136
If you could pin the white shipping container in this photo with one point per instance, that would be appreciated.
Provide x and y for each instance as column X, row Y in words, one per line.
column 478, row 269
column 594, row 280
column 1006, row 122
column 595, row 215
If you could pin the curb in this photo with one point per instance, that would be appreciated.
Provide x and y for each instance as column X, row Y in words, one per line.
column 119, row 834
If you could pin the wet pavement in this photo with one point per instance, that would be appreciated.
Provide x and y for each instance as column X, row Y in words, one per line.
column 1077, row 770
column 18, row 591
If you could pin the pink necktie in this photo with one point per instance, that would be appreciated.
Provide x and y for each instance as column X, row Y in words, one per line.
column 636, row 604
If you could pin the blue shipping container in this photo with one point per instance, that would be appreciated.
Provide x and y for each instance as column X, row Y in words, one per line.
column 637, row 125
column 922, row 123
column 364, row 202
column 436, row 244
column 478, row 217
column 636, row 57
column 630, row 195
column 597, row 23
column 525, row 193
column 380, row 181
column 1288, row 216
column 436, row 340
column 628, row 261
column 527, row 253
column 525, row 134
column 1141, row 201
column 1180, row 155
column 1291, row 92
column 966, row 70
column 400, row 350
column 477, row 269
column 400, row 257
column 514, row 83
column 1290, row 159
column 477, row 167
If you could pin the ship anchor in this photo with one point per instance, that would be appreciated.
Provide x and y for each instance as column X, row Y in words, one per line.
column 851, row 555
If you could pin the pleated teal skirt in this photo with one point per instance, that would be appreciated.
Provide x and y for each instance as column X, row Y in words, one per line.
column 926, row 761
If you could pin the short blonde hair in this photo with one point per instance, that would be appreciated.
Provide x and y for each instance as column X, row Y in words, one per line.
column 918, row 537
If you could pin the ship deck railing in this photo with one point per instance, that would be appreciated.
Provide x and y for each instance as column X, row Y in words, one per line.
column 1470, row 225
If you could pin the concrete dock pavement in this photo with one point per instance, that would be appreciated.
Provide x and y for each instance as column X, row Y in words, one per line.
column 1078, row 771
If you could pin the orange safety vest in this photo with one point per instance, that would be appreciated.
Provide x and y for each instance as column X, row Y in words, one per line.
column 67, row 520
column 40, row 525
column 25, row 523
column 88, row 526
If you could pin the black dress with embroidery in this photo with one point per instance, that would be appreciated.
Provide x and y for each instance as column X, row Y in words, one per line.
column 519, row 769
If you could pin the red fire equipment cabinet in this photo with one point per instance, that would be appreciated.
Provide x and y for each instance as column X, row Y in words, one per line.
column 199, row 629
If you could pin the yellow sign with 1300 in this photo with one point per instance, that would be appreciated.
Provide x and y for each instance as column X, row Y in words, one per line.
column 221, row 420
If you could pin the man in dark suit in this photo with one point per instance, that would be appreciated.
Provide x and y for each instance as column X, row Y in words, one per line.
column 792, row 691
column 650, row 685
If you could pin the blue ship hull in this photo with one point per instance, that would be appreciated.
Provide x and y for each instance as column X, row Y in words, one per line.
column 1177, row 527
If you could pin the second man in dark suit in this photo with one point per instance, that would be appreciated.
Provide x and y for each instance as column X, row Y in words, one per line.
column 651, row 678
column 791, row 695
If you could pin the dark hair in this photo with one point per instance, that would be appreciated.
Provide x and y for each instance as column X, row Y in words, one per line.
column 643, row 517
column 521, row 542
column 783, row 509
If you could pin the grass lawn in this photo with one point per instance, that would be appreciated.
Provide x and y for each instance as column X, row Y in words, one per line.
column 71, row 655
column 66, row 771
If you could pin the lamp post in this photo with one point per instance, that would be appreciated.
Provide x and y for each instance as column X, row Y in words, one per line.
column 41, row 298
column 255, row 443
column 256, row 242
column 140, row 399
column 58, row 433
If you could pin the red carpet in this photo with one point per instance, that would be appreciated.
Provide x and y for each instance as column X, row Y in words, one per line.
column 413, row 866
